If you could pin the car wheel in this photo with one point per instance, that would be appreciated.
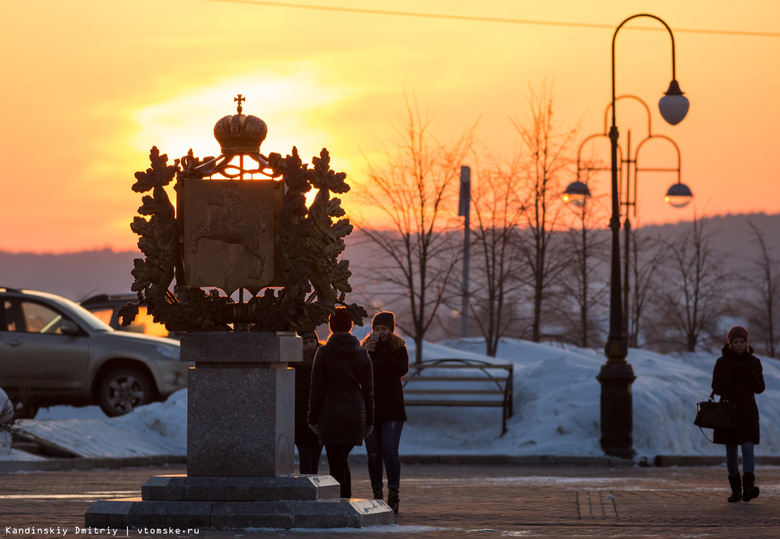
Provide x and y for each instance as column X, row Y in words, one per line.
column 121, row 391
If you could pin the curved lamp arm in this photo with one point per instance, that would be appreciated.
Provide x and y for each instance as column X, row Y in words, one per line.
column 614, row 36
column 656, row 169
column 676, row 147
column 630, row 96
column 579, row 150
column 580, row 168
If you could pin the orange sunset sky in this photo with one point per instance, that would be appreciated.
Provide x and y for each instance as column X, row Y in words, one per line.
column 90, row 86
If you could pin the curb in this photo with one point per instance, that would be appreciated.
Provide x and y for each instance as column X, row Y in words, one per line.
column 512, row 460
column 113, row 463
column 84, row 463
column 684, row 461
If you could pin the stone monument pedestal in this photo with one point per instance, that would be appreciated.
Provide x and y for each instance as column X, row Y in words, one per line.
column 240, row 437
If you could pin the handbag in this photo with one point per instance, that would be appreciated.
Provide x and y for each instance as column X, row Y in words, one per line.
column 715, row 415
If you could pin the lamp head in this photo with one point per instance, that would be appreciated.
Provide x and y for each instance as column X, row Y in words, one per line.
column 679, row 195
column 576, row 193
column 673, row 105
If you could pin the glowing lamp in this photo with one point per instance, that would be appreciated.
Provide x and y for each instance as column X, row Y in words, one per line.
column 679, row 195
column 673, row 105
column 576, row 193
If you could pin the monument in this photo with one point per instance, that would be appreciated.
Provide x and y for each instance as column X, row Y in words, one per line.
column 241, row 227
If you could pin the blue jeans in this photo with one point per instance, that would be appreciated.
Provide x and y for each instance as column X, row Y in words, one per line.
column 382, row 448
column 748, row 458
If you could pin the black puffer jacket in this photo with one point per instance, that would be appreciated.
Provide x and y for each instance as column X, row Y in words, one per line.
column 390, row 362
column 738, row 379
column 303, row 434
column 341, row 401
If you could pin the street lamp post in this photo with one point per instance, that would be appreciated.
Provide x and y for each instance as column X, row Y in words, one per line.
column 617, row 375
column 464, row 210
column 678, row 194
column 629, row 202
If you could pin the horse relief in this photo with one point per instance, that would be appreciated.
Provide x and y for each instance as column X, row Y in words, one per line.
column 226, row 224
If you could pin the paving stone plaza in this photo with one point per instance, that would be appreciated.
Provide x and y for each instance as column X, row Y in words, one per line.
column 449, row 500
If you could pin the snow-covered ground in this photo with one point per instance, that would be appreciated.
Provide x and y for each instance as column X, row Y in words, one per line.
column 556, row 410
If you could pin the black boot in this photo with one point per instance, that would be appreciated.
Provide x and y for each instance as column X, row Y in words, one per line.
column 393, row 499
column 736, row 488
column 749, row 488
column 378, row 494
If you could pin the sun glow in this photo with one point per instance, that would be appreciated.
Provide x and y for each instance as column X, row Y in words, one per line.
column 289, row 105
column 94, row 89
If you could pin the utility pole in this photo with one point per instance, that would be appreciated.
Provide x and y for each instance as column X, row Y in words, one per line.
column 464, row 207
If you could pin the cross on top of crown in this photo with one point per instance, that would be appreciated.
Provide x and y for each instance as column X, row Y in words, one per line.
column 240, row 100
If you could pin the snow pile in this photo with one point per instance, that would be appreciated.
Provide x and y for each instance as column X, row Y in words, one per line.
column 556, row 410
column 159, row 428
column 557, row 405
column 6, row 414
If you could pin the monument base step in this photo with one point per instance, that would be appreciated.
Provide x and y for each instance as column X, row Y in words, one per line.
column 240, row 489
column 286, row 514
column 285, row 501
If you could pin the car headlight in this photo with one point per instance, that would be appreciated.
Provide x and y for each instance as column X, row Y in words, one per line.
column 168, row 352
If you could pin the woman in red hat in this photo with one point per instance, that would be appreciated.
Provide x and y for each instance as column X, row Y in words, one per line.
column 390, row 361
column 738, row 377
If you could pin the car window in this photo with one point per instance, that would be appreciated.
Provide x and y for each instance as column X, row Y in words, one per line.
column 10, row 316
column 81, row 314
column 38, row 318
column 104, row 314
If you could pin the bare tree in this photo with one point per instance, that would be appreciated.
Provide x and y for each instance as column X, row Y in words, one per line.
column 412, row 190
column 765, row 281
column 645, row 260
column 497, row 215
column 694, row 297
column 545, row 163
column 587, row 248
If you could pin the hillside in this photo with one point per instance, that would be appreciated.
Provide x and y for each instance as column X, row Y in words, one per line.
column 79, row 275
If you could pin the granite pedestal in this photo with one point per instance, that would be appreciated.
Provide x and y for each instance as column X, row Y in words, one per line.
column 240, row 437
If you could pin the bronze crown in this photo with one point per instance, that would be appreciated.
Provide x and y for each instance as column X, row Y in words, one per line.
column 239, row 134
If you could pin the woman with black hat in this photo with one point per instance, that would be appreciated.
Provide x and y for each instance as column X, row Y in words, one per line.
column 390, row 361
column 341, row 401
column 738, row 377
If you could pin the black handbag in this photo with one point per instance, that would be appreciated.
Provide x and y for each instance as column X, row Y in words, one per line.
column 715, row 415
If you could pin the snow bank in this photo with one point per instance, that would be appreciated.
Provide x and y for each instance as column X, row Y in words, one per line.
column 556, row 410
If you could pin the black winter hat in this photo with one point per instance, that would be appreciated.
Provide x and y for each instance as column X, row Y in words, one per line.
column 384, row 318
column 308, row 335
column 340, row 322
column 737, row 332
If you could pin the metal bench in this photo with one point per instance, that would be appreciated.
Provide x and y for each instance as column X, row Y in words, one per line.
column 444, row 381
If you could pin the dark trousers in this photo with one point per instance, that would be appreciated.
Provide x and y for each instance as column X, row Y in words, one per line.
column 309, row 454
column 382, row 448
column 338, row 455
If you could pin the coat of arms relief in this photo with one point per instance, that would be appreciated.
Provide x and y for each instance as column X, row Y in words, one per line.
column 241, row 227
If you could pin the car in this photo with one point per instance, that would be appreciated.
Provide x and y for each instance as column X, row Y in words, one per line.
column 53, row 352
column 106, row 307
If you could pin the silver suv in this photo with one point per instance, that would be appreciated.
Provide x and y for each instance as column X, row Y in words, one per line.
column 53, row 351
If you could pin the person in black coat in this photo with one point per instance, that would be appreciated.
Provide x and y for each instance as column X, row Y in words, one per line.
column 306, row 441
column 390, row 360
column 341, row 400
column 738, row 377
